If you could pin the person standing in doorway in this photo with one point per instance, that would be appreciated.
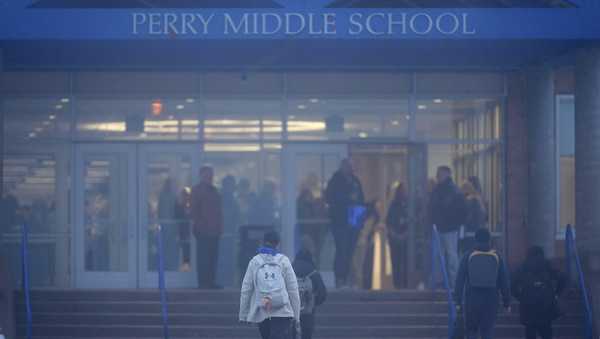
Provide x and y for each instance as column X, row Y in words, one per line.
column 448, row 213
column 231, row 223
column 397, row 232
column 476, row 214
column 481, row 276
column 167, row 207
column 344, row 191
column 182, row 214
column 207, row 219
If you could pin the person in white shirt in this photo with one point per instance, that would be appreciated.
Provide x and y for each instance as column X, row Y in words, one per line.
column 269, row 295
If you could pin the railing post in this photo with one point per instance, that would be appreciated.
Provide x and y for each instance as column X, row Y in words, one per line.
column 25, row 269
column 573, row 254
column 161, row 284
column 451, row 306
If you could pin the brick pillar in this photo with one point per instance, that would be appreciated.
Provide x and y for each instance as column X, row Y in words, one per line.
column 587, row 166
column 516, row 169
column 587, row 149
column 541, row 136
column 7, row 304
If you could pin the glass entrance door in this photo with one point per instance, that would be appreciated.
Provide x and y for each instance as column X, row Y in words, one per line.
column 165, row 182
column 307, row 168
column 105, row 218
column 123, row 192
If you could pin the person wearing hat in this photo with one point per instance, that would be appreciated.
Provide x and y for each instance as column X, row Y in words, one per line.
column 481, row 280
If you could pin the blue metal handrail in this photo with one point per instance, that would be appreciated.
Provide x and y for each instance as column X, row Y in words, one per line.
column 25, row 269
column 436, row 252
column 161, row 283
column 572, row 254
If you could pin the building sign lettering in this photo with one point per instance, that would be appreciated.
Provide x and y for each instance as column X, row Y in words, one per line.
column 262, row 24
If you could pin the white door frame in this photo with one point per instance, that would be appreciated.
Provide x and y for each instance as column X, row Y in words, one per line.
column 172, row 279
column 104, row 279
column 289, row 172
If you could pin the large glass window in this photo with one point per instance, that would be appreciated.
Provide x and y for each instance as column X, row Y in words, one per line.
column 239, row 119
column 137, row 119
column 476, row 170
column 566, row 160
column 31, row 119
column 403, row 125
column 335, row 119
column 35, row 194
column 464, row 119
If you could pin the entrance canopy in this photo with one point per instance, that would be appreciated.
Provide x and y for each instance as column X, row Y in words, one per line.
column 293, row 33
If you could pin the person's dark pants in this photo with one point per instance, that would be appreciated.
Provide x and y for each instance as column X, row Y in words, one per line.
column 481, row 310
column 7, row 313
column 345, row 240
column 399, row 266
column 170, row 246
column 543, row 330
column 207, row 255
column 185, row 250
column 307, row 325
column 184, row 241
column 316, row 232
column 7, row 300
column 276, row 328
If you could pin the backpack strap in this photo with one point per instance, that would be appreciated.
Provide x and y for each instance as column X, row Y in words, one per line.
column 309, row 275
column 491, row 253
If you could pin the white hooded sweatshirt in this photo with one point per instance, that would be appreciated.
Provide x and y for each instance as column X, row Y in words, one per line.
column 250, row 308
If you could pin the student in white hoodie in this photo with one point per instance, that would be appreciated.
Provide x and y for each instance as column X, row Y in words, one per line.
column 269, row 294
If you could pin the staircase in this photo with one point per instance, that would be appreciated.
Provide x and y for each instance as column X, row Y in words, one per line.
column 120, row 314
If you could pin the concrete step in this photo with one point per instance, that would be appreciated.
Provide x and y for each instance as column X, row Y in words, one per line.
column 120, row 314
column 229, row 308
column 355, row 307
column 179, row 295
column 211, row 319
column 317, row 336
column 85, row 331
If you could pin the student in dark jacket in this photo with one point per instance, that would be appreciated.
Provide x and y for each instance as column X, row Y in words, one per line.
column 476, row 214
column 344, row 191
column 397, row 229
column 537, row 286
column 481, row 275
column 304, row 267
column 448, row 213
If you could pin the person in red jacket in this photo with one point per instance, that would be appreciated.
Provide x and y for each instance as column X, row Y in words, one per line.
column 207, row 219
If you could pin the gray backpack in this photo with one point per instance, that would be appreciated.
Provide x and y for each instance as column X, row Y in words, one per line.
column 483, row 268
column 307, row 294
column 270, row 283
